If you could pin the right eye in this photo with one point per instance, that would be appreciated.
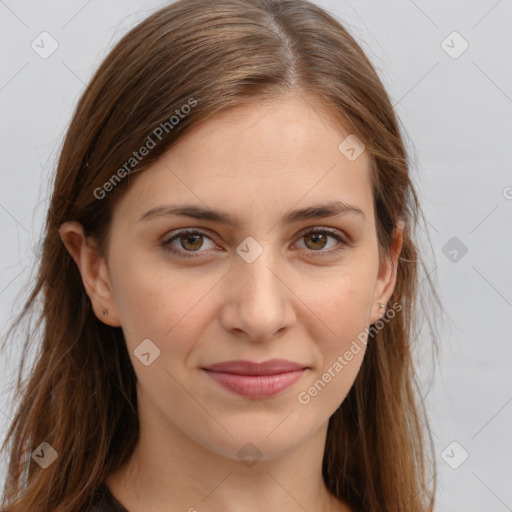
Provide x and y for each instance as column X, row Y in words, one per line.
column 186, row 237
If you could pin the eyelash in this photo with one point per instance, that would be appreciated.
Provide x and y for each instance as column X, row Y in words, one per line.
column 193, row 254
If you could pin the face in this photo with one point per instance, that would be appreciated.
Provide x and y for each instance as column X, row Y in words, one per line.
column 267, row 285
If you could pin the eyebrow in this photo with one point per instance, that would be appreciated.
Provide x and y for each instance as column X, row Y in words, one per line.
column 330, row 209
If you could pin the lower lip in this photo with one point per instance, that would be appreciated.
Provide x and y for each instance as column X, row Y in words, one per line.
column 256, row 386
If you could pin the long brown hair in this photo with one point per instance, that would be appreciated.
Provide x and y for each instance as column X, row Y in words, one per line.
column 80, row 395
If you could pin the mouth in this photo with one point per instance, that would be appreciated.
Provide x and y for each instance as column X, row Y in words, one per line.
column 256, row 380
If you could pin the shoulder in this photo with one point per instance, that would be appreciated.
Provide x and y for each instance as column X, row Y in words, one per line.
column 104, row 501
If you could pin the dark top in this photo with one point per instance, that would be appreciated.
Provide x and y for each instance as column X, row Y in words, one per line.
column 104, row 501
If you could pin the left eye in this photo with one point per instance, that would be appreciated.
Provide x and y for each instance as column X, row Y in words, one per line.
column 190, row 241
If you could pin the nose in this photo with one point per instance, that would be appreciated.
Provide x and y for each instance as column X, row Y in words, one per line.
column 259, row 302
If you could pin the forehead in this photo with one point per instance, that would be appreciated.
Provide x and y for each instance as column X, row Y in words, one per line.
column 262, row 155
column 295, row 128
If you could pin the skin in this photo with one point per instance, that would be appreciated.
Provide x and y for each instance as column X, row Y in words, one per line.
column 294, row 301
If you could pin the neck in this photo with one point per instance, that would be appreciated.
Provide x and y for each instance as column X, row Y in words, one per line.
column 169, row 471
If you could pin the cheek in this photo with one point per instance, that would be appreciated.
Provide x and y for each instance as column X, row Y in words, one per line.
column 339, row 329
column 159, row 304
column 347, row 317
column 341, row 303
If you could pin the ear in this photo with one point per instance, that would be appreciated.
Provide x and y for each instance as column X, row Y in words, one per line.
column 386, row 277
column 93, row 269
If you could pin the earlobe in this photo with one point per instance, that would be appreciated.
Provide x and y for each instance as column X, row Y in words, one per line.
column 93, row 270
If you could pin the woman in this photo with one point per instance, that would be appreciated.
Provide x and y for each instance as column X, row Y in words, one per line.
column 229, row 280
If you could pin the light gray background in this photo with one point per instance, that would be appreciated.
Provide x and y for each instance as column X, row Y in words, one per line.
column 456, row 111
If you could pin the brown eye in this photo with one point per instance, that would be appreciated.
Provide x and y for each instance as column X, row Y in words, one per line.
column 190, row 241
column 318, row 240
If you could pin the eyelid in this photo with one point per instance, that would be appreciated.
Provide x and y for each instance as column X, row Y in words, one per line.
column 342, row 239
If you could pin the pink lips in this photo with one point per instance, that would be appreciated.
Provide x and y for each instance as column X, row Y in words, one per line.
column 256, row 380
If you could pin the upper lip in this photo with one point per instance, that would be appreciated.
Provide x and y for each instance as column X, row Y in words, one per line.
column 242, row 367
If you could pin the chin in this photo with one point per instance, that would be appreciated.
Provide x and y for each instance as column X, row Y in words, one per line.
column 259, row 440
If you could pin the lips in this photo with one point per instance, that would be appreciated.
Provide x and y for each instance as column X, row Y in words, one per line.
column 256, row 380
column 241, row 367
